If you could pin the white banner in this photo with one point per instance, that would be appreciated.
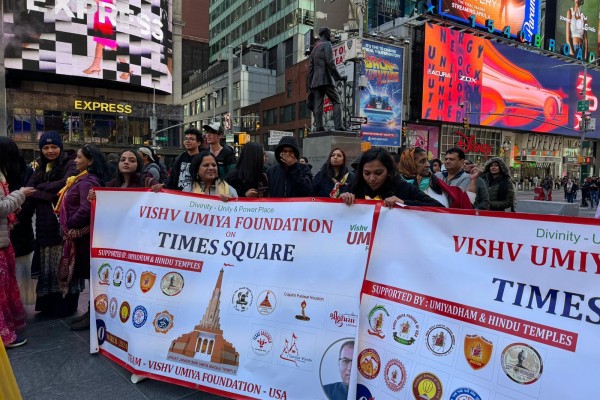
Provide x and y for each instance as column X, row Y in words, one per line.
column 468, row 307
column 250, row 299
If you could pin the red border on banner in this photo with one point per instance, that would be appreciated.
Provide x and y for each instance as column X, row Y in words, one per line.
column 148, row 259
column 405, row 297
column 179, row 382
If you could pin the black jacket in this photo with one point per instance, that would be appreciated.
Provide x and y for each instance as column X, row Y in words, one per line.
column 410, row 194
column 321, row 66
column 284, row 181
column 323, row 184
column 226, row 161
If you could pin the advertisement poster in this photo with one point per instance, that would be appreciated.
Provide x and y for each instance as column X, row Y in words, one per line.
column 495, row 308
column 519, row 15
column 116, row 40
column 577, row 26
column 424, row 136
column 248, row 299
column 381, row 100
column 493, row 84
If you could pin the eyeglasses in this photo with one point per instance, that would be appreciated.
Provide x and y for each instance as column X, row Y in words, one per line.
column 189, row 139
column 345, row 362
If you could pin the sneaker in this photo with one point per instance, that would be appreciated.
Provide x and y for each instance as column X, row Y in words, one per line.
column 19, row 341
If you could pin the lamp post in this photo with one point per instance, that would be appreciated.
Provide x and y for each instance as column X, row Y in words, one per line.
column 215, row 95
column 153, row 116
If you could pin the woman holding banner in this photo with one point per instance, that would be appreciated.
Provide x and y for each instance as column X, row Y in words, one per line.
column 378, row 179
column 205, row 178
column 334, row 178
column 12, row 314
column 74, row 217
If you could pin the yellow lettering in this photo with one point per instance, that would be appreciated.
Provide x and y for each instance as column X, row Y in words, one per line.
column 78, row 104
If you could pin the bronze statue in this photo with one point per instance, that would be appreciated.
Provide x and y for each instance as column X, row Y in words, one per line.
column 322, row 75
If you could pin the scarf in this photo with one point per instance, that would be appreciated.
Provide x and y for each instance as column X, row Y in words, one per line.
column 12, row 218
column 70, row 182
column 337, row 185
column 222, row 188
column 66, row 265
column 407, row 165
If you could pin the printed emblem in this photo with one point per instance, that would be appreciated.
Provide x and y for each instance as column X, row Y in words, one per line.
column 363, row 392
column 346, row 320
column 427, row 384
column 130, row 278
column 163, row 321
column 124, row 312
column 139, row 316
column 464, row 394
column 369, row 363
column 478, row 351
column 100, row 331
column 395, row 375
column 405, row 329
column 262, row 342
column 440, row 340
column 522, row 363
column 147, row 280
column 267, row 302
column 113, row 307
column 291, row 352
column 118, row 276
column 104, row 274
column 376, row 317
column 101, row 304
column 303, row 316
column 171, row 284
column 242, row 299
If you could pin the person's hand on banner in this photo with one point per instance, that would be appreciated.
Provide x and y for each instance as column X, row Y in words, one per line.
column 158, row 187
column 91, row 195
column 347, row 198
column 389, row 202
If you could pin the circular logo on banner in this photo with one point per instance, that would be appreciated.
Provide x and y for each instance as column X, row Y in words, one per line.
column 427, row 384
column 242, row 299
column 101, row 304
column 124, row 312
column 139, row 316
column 369, row 363
column 262, row 342
column 266, row 302
column 522, row 363
column 171, row 284
column 440, row 340
column 464, row 394
column 100, row 331
column 163, row 322
column 113, row 307
column 395, row 375
column 405, row 329
column 104, row 274
column 130, row 278
column 118, row 277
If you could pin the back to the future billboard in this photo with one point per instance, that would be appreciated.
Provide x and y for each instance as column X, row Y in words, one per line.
column 128, row 41
column 502, row 86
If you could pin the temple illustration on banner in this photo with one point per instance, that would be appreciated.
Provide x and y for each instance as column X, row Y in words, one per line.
column 205, row 347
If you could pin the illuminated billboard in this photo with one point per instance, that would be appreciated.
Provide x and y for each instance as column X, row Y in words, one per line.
column 576, row 24
column 519, row 15
column 502, row 86
column 122, row 41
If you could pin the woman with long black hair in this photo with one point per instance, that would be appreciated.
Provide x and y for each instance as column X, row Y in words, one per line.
column 248, row 177
column 334, row 178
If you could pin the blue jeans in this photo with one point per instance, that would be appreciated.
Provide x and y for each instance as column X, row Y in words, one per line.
column 570, row 197
column 593, row 198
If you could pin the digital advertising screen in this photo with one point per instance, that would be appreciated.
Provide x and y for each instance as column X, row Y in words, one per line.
column 381, row 100
column 115, row 40
column 577, row 26
column 503, row 86
column 519, row 15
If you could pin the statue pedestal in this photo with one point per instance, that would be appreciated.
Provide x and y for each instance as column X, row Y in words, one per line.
column 318, row 145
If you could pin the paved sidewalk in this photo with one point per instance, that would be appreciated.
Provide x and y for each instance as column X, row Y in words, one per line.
column 558, row 195
column 56, row 364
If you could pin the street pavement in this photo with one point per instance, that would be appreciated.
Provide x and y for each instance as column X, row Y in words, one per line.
column 56, row 363
column 558, row 196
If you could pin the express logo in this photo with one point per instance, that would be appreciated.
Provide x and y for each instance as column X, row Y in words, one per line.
column 124, row 312
column 427, row 386
column 405, row 329
column 267, row 304
column 113, row 306
column 101, row 304
column 139, row 316
column 242, row 299
column 440, row 340
column 376, row 319
column 369, row 363
column 262, row 342
column 346, row 320
column 163, row 322
column 464, row 394
column 130, row 278
column 104, row 274
column 394, row 375
column 118, row 277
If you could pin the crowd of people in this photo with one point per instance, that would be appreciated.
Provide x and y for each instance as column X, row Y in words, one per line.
column 60, row 190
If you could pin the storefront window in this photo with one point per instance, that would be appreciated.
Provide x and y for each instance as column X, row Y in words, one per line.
column 21, row 124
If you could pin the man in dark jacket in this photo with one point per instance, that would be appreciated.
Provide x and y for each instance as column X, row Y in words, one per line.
column 181, row 177
column 322, row 75
column 289, row 178
column 224, row 155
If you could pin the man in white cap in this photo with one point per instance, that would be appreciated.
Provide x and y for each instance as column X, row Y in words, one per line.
column 150, row 165
column 224, row 155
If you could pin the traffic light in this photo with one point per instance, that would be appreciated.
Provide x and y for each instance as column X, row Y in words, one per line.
column 243, row 138
column 404, row 130
column 585, row 160
column 257, row 127
column 305, row 131
column 466, row 122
